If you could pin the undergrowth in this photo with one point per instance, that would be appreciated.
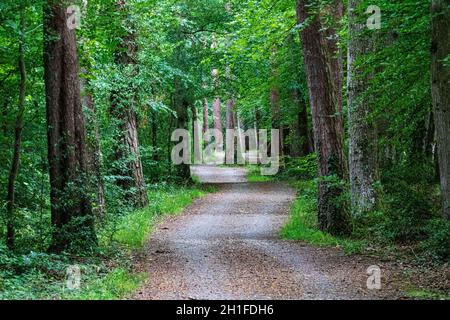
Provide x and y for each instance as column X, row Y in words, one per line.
column 106, row 275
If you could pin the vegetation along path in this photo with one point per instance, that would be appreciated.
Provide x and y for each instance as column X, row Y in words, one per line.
column 226, row 246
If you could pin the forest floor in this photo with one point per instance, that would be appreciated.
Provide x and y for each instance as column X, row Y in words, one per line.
column 226, row 245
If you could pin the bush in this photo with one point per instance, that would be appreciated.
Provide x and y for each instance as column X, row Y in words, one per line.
column 408, row 201
column 303, row 224
column 304, row 168
column 437, row 244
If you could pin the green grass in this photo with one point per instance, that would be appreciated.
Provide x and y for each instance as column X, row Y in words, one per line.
column 117, row 284
column 426, row 295
column 104, row 276
column 134, row 228
column 303, row 226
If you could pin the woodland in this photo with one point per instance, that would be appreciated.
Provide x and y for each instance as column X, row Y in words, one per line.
column 91, row 91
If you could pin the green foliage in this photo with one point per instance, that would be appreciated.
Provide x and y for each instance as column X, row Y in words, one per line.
column 421, row 294
column 408, row 194
column 254, row 175
column 303, row 224
column 303, row 168
column 437, row 243
column 132, row 229
column 106, row 273
column 117, row 284
column 257, row 50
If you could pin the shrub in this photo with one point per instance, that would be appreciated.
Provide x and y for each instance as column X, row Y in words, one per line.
column 304, row 168
column 437, row 244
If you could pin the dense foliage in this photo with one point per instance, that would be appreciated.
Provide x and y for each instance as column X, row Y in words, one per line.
column 151, row 61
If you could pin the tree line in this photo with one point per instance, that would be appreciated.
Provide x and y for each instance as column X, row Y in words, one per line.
column 97, row 102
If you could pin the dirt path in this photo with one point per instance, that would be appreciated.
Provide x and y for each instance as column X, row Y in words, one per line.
column 226, row 246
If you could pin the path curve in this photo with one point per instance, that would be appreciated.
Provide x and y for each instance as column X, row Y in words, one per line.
column 226, row 246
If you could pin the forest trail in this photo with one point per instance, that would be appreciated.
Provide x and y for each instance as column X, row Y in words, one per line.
column 226, row 246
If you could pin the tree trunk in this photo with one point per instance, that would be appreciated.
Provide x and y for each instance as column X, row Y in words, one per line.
column 14, row 170
column 181, row 106
column 363, row 153
column 93, row 149
column 205, row 115
column 301, row 140
column 275, row 101
column 440, row 90
column 196, row 137
column 71, row 210
column 123, row 108
column 154, row 135
column 328, row 132
column 217, row 106
column 334, row 13
column 230, row 114
column 169, row 140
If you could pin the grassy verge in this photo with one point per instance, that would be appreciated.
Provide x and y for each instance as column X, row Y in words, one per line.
column 106, row 275
column 421, row 294
column 302, row 225
column 254, row 174
column 133, row 229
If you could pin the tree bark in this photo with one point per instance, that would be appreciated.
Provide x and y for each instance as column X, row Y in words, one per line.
column 181, row 106
column 275, row 102
column 440, row 90
column 230, row 114
column 333, row 13
column 328, row 131
column 195, row 137
column 71, row 209
column 301, row 140
column 93, row 149
column 14, row 170
column 124, row 109
column 363, row 142
column 205, row 115
column 154, row 125
column 217, row 106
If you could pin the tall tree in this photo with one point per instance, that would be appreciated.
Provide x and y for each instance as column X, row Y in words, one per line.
column 363, row 156
column 217, row 104
column 328, row 131
column 217, row 113
column 300, row 134
column 181, row 107
column 230, row 114
column 330, row 17
column 124, row 110
column 93, row 147
column 440, row 90
column 205, row 115
column 275, row 103
column 14, row 170
column 301, row 140
column 71, row 209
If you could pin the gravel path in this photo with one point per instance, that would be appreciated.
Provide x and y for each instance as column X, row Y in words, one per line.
column 226, row 246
